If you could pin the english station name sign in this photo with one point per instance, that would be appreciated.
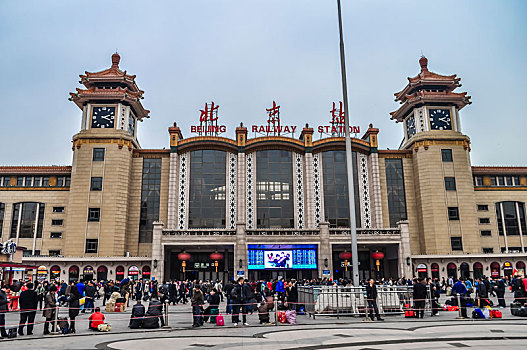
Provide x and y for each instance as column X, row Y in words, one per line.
column 208, row 123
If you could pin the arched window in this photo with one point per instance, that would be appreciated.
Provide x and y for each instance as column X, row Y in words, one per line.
column 434, row 268
column 87, row 273
column 335, row 186
column 119, row 273
column 73, row 273
column 422, row 271
column 146, row 272
column 274, row 189
column 507, row 268
column 133, row 272
column 207, row 192
column 54, row 272
column 495, row 269
column 451, row 270
column 464, row 269
column 478, row 270
column 102, row 273
column 520, row 266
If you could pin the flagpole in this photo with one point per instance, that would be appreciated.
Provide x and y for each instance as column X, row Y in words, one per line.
column 349, row 159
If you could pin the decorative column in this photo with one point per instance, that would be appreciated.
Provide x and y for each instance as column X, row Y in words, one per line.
column 374, row 176
column 364, row 188
column 173, row 177
column 240, row 250
column 405, row 253
column 318, row 196
column 245, row 195
column 324, row 250
column 298, row 188
column 158, row 252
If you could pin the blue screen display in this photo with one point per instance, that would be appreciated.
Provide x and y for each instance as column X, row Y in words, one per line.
column 282, row 256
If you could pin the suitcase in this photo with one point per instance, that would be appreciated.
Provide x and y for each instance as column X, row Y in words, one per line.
column 495, row 314
column 12, row 332
column 518, row 310
column 219, row 320
column 290, row 316
column 281, row 317
column 478, row 313
column 410, row 314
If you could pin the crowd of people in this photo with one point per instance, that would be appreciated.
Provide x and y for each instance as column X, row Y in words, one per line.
column 240, row 297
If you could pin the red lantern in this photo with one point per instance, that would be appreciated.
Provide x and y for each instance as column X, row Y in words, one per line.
column 345, row 255
column 184, row 256
column 377, row 255
column 216, row 256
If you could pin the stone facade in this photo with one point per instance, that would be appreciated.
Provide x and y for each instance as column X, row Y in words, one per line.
column 422, row 234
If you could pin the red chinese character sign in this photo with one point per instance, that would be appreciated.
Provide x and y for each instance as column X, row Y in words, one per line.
column 337, row 123
column 273, row 126
column 208, row 122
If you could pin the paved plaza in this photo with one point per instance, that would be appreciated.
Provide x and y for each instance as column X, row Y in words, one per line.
column 396, row 332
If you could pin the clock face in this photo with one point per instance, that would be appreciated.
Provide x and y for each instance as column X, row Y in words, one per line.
column 410, row 126
column 440, row 119
column 131, row 124
column 103, row 117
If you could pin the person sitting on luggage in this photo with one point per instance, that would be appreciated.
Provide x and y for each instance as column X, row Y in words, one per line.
column 213, row 309
column 138, row 313
column 154, row 314
column 96, row 319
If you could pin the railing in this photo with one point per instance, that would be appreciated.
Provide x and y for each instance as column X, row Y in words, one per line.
column 364, row 231
column 351, row 301
column 281, row 232
column 199, row 232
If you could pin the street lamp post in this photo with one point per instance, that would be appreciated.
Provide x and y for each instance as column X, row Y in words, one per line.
column 349, row 159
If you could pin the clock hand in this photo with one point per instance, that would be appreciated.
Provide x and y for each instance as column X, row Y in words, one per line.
column 443, row 119
column 107, row 117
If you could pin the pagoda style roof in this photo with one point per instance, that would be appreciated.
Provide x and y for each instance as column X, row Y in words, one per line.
column 111, row 84
column 429, row 87
column 110, row 75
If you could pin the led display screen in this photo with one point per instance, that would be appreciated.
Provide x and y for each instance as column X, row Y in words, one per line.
column 282, row 257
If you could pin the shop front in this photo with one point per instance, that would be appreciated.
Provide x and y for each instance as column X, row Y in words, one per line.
column 207, row 263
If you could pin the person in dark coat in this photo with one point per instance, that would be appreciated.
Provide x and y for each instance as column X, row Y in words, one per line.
column 197, row 301
column 74, row 306
column 213, row 308
column 138, row 312
column 483, row 293
column 50, row 303
column 89, row 293
column 28, row 302
column 371, row 296
column 154, row 314
column 228, row 290
column 3, row 310
column 420, row 296
column 239, row 301
column 292, row 295
column 500, row 292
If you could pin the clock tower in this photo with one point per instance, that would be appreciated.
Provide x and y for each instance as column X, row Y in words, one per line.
column 103, row 161
column 445, row 204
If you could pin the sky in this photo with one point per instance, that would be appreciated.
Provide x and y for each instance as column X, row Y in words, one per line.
column 244, row 54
